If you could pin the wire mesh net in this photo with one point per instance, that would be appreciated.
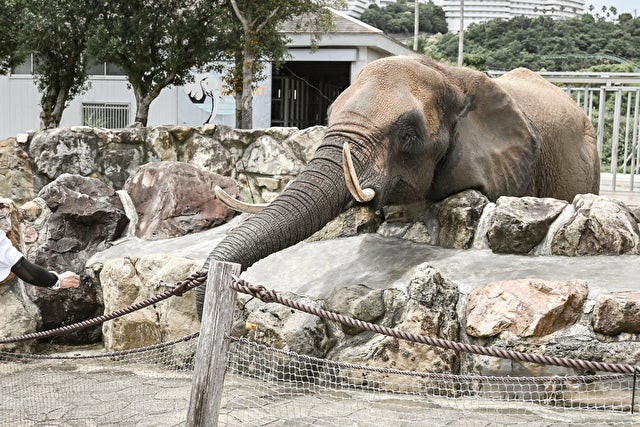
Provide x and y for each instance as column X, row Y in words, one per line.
column 266, row 386
column 270, row 387
column 142, row 387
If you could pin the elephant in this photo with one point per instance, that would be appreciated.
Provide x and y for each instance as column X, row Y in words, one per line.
column 408, row 129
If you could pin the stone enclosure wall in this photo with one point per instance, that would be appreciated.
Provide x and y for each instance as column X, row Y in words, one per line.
column 70, row 193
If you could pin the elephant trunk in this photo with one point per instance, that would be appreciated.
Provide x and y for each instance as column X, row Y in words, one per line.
column 313, row 199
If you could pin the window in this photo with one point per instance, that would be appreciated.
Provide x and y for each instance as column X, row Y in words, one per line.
column 95, row 68
column 27, row 67
column 105, row 115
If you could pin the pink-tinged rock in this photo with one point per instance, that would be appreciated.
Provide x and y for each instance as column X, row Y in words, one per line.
column 526, row 307
column 174, row 199
column 616, row 313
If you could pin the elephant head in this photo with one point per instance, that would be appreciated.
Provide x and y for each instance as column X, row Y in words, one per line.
column 409, row 129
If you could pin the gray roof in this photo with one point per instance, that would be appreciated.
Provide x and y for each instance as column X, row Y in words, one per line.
column 348, row 31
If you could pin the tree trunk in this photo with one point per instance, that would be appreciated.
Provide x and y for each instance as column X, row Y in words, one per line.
column 247, row 89
column 51, row 114
column 142, row 107
column 237, row 96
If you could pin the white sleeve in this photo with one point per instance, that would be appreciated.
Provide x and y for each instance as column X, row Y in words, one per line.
column 8, row 255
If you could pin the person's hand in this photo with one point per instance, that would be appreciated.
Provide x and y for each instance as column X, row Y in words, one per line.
column 69, row 279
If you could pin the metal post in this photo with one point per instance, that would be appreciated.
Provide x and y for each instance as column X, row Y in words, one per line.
column 615, row 137
column 416, row 25
column 601, row 112
column 461, row 35
column 211, row 356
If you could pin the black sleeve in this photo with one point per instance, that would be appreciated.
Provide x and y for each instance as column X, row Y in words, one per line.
column 34, row 274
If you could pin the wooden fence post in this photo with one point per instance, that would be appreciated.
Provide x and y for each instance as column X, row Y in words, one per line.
column 211, row 356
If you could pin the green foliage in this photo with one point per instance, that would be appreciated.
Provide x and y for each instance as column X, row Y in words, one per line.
column 543, row 43
column 399, row 17
column 57, row 32
column 10, row 11
column 157, row 42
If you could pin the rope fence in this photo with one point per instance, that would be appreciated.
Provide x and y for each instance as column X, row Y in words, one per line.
column 315, row 378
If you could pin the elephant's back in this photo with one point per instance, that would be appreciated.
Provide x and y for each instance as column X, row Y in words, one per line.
column 567, row 137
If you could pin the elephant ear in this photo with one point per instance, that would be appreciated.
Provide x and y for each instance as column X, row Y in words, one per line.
column 494, row 147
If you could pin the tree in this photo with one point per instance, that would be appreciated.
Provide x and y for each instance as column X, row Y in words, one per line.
column 399, row 17
column 543, row 43
column 57, row 31
column 261, row 40
column 157, row 43
column 10, row 11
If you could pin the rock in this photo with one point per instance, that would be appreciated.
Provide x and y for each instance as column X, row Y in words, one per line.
column 600, row 226
column 354, row 221
column 173, row 199
column 359, row 302
column 210, row 155
column 417, row 222
column 79, row 217
column 459, row 217
column 525, row 307
column 304, row 142
column 616, row 313
column 87, row 152
column 520, row 223
column 426, row 308
column 19, row 316
column 267, row 156
column 126, row 281
column 17, row 178
column 280, row 327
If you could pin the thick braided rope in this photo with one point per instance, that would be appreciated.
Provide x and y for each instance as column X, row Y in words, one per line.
column 268, row 295
column 194, row 280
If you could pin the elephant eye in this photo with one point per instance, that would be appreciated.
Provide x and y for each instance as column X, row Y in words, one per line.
column 410, row 135
column 411, row 143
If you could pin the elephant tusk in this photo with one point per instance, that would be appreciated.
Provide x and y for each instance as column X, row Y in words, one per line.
column 353, row 184
column 236, row 204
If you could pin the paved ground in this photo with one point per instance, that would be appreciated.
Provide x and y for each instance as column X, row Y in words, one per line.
column 622, row 190
column 55, row 394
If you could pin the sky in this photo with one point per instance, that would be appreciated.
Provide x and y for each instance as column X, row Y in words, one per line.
column 623, row 6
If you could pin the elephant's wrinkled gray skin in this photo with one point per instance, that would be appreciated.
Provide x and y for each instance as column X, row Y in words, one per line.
column 418, row 130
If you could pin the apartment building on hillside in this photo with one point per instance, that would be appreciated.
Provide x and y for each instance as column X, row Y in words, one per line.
column 478, row 11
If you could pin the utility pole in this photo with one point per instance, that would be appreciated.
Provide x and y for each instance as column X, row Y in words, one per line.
column 461, row 35
column 415, row 26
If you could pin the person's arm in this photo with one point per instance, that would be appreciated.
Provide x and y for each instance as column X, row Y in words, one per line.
column 38, row 276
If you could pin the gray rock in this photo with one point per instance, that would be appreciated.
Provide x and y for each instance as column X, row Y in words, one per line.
column 520, row 223
column 459, row 216
column 83, row 216
column 616, row 313
column 600, row 226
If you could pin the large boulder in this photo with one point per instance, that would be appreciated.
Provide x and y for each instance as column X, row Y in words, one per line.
column 459, row 216
column 426, row 307
column 616, row 313
column 19, row 315
column 600, row 226
column 519, row 224
column 16, row 173
column 126, row 281
column 526, row 307
column 112, row 156
column 73, row 218
column 173, row 199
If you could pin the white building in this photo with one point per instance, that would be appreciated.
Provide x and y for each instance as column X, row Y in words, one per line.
column 296, row 95
column 478, row 11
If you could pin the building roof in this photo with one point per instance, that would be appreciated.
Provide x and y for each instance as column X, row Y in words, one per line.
column 347, row 32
